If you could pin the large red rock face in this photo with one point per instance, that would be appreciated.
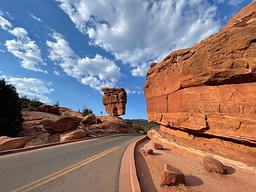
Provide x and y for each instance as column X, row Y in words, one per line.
column 211, row 87
column 114, row 100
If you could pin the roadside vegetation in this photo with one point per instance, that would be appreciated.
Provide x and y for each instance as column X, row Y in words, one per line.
column 142, row 125
column 10, row 110
column 86, row 111
column 30, row 104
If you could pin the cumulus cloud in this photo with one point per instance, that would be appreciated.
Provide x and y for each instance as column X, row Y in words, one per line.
column 25, row 49
column 95, row 72
column 138, row 31
column 31, row 87
column 140, row 70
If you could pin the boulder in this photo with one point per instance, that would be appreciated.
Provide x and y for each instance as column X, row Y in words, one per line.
column 90, row 119
column 57, row 110
column 73, row 135
column 171, row 176
column 62, row 124
column 49, row 109
column 114, row 100
column 209, row 89
column 212, row 165
column 7, row 143
column 68, row 113
column 156, row 146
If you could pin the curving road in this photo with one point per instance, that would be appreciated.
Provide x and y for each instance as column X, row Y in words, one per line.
column 84, row 166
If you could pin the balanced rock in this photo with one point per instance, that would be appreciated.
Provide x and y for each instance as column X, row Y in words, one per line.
column 114, row 100
column 210, row 88
column 212, row 165
column 171, row 176
column 77, row 134
column 62, row 124
column 7, row 143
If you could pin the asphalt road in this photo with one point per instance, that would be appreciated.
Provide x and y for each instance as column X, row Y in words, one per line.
column 84, row 166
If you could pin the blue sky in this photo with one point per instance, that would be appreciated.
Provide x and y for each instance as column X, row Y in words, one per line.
column 66, row 50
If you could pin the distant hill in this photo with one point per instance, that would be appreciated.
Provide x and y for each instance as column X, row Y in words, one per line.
column 142, row 125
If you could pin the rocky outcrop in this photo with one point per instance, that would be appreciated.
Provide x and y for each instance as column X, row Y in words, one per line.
column 110, row 124
column 7, row 143
column 73, row 135
column 52, row 109
column 89, row 119
column 62, row 124
column 114, row 100
column 209, row 90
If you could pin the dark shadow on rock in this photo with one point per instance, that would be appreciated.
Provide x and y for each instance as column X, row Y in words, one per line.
column 192, row 180
column 230, row 170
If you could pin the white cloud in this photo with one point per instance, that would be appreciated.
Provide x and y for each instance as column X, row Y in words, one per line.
column 140, row 70
column 137, row 31
column 95, row 72
column 31, row 87
column 4, row 23
column 25, row 49
column 56, row 72
column 35, row 18
column 136, row 90
column 19, row 32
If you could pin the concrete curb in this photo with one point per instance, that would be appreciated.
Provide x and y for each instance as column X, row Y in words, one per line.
column 128, row 179
column 11, row 151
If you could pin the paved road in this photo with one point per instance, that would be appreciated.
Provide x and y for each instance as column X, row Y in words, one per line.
column 85, row 166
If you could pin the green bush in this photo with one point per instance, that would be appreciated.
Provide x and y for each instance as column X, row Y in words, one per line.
column 30, row 103
column 10, row 110
column 141, row 125
column 86, row 111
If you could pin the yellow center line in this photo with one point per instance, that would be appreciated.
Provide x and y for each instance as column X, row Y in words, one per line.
column 53, row 176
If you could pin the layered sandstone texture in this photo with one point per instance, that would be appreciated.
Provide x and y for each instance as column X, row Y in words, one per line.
column 114, row 100
column 209, row 89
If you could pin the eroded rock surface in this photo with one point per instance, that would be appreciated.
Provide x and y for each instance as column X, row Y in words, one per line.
column 62, row 124
column 77, row 134
column 114, row 100
column 211, row 87
column 7, row 143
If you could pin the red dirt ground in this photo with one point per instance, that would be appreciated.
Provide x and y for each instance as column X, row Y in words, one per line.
column 197, row 179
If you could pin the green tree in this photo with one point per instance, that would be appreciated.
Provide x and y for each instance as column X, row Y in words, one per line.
column 86, row 111
column 57, row 104
column 10, row 110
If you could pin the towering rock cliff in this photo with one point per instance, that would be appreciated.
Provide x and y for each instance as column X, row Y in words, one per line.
column 209, row 89
column 114, row 100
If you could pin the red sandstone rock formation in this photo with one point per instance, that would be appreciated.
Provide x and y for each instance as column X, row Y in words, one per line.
column 211, row 87
column 114, row 100
column 73, row 135
column 7, row 143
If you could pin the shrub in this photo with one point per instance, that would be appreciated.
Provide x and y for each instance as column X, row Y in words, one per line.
column 141, row 125
column 86, row 111
column 57, row 104
column 10, row 110
column 30, row 104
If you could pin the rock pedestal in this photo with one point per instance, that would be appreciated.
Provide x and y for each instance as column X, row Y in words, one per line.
column 114, row 100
